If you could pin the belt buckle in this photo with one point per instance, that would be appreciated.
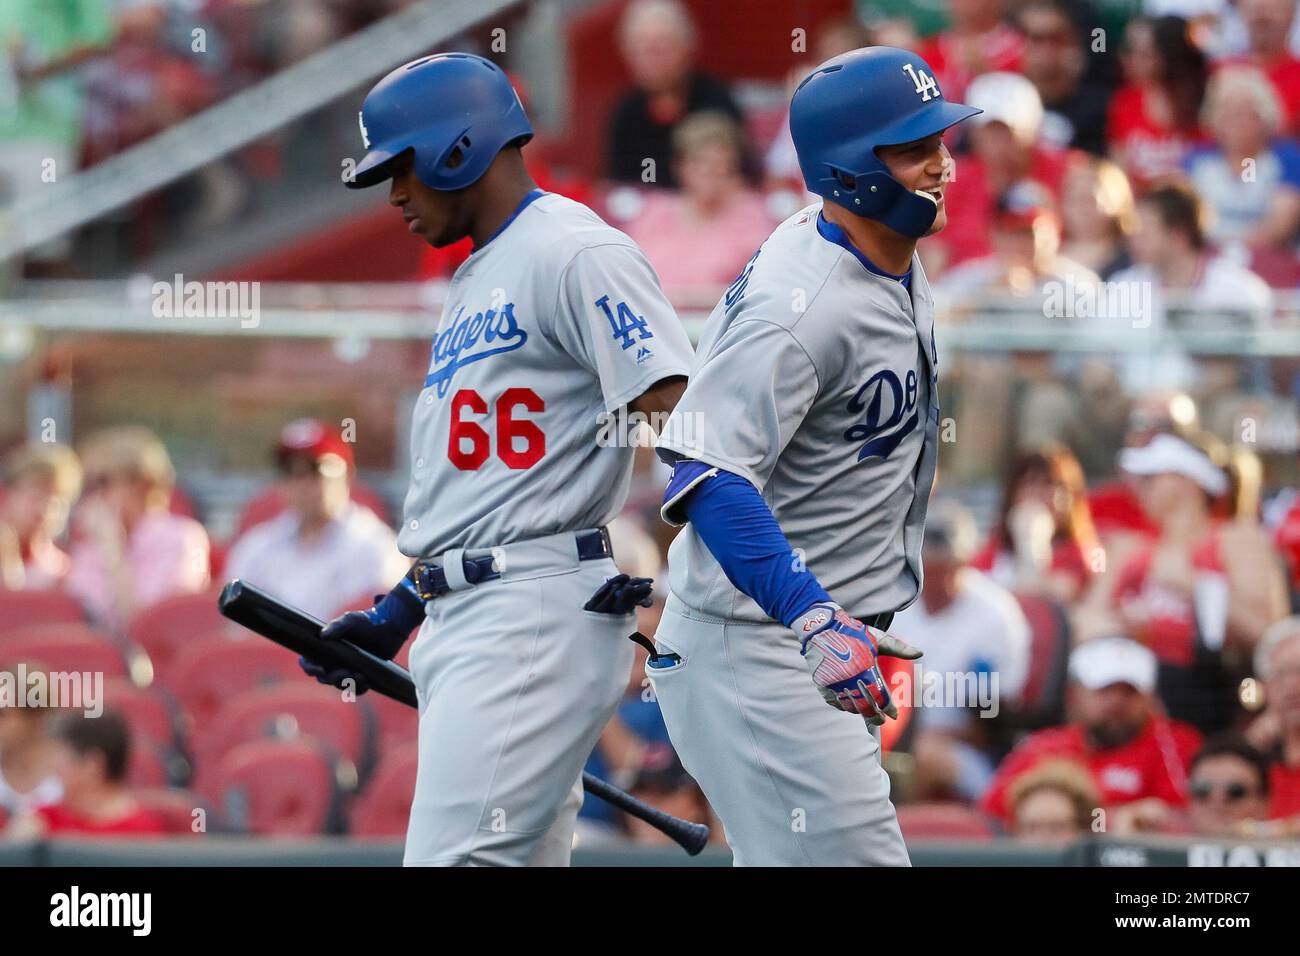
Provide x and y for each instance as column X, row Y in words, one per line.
column 422, row 572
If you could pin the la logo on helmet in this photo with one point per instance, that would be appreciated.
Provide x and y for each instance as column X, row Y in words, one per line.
column 926, row 87
column 365, row 137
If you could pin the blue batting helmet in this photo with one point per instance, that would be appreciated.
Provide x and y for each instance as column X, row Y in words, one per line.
column 849, row 107
column 455, row 110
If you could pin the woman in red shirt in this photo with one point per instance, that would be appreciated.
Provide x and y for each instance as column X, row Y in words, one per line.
column 1203, row 592
column 1154, row 119
column 1043, row 541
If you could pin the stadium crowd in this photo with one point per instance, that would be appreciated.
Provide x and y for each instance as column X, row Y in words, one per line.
column 1117, row 652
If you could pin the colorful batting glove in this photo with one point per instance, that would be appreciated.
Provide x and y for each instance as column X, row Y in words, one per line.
column 842, row 655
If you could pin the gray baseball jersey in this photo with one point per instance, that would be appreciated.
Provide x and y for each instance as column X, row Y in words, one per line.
column 555, row 321
column 816, row 380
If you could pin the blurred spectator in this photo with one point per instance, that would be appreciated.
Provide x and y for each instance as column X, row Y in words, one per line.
column 658, row 42
column 1269, row 35
column 324, row 551
column 1175, row 270
column 978, row 41
column 1229, row 788
column 1097, row 216
column 1025, row 240
column 42, row 100
column 1277, row 731
column 1249, row 179
column 663, row 783
column 970, row 629
column 1153, row 119
column 1284, row 513
column 699, row 239
column 906, row 18
column 1116, row 729
column 27, row 753
column 1054, row 803
column 92, row 759
column 1055, row 60
column 42, row 480
column 1043, row 541
column 1117, row 514
column 781, row 164
column 141, row 87
column 1006, row 149
column 130, row 552
column 1202, row 589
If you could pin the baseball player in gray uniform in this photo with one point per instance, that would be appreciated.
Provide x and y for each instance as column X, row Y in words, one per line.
column 804, row 474
column 555, row 320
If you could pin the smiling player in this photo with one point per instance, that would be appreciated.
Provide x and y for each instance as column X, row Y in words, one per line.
column 815, row 387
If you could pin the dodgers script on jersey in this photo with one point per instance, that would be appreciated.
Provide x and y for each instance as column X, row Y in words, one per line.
column 556, row 320
column 816, row 379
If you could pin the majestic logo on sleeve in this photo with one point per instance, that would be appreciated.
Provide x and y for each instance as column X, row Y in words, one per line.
column 472, row 338
column 889, row 411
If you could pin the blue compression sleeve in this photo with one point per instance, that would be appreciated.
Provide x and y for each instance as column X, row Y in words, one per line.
column 736, row 525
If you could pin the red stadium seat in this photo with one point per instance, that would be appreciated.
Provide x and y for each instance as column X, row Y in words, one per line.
column 397, row 723
column 269, row 503
column 149, row 765
column 151, row 713
column 175, row 807
column 216, row 669
column 943, row 821
column 71, row 647
column 175, row 622
column 303, row 708
column 26, row 608
column 276, row 788
column 384, row 806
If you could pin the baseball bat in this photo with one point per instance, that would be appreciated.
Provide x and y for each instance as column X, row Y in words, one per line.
column 298, row 631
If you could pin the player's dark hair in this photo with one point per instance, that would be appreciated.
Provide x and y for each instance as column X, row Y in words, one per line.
column 106, row 734
column 1234, row 745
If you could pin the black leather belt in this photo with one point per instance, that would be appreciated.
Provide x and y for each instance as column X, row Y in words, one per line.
column 431, row 581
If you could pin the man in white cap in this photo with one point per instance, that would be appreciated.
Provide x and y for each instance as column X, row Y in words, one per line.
column 1006, row 148
column 1201, row 588
column 1136, row 755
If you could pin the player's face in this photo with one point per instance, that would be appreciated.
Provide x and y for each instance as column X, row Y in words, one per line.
column 440, row 218
column 923, row 166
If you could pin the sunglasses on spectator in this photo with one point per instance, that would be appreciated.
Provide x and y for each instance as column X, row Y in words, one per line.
column 300, row 466
column 1203, row 790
